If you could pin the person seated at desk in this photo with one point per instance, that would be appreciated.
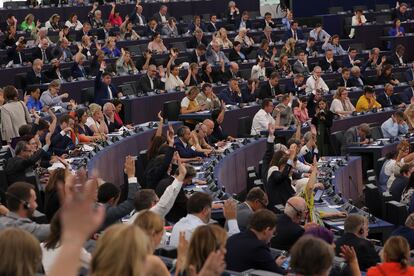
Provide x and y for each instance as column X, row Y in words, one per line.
column 33, row 102
column 199, row 55
column 409, row 74
column 334, row 45
column 256, row 200
column 407, row 94
column 346, row 80
column 270, row 89
column 63, row 139
column 78, row 70
column 236, row 53
column 294, row 32
column 296, row 85
column 267, row 21
column 212, row 24
column 170, row 29
column 232, row 95
column 181, row 144
column 356, row 233
column 207, row 98
column 358, row 19
column 96, row 121
column 50, row 97
column 193, row 77
column 43, row 52
column 406, row 231
column 35, row 75
column 357, row 135
column 258, row 71
column 214, row 55
column 240, row 246
column 189, row 104
column 196, row 24
column 288, row 225
column 109, row 117
column 400, row 181
column 367, row 102
column 84, row 133
column 318, row 33
column 125, row 64
column 104, row 88
column 313, row 102
column 401, row 12
column 156, row 46
column 315, row 82
column 150, row 81
column 289, row 48
column 263, row 118
column 394, row 126
column 350, row 60
column 358, row 80
column 15, row 54
column 106, row 32
column 328, row 64
column 300, row 111
column 388, row 98
column 283, row 67
column 341, row 103
column 397, row 58
column 211, row 75
column 386, row 76
column 198, row 141
column 110, row 48
column 198, row 39
column 173, row 80
column 54, row 73
column 265, row 52
column 301, row 64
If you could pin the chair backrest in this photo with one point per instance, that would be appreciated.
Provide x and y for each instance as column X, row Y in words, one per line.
column 20, row 81
column 337, row 141
column 396, row 213
column 244, row 126
column 171, row 110
column 381, row 19
column 127, row 89
column 380, row 7
column 373, row 199
column 360, row 7
column 87, row 95
column 376, row 132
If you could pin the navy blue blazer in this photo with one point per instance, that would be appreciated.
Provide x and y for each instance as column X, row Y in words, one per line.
column 60, row 144
column 101, row 90
column 405, row 232
column 290, row 87
column 245, row 251
column 288, row 34
column 229, row 97
column 76, row 72
column 406, row 95
column 409, row 76
column 186, row 152
column 395, row 100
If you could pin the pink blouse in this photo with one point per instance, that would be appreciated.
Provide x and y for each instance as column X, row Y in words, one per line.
column 301, row 114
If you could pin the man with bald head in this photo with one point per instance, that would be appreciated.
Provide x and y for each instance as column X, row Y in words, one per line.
column 136, row 17
column 150, row 81
column 232, row 73
column 43, row 52
column 288, row 226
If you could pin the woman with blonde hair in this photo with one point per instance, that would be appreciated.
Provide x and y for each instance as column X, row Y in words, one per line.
column 96, row 121
column 341, row 103
column 125, row 64
column 395, row 258
column 125, row 250
column 21, row 254
column 53, row 22
column 223, row 40
column 409, row 113
column 283, row 67
column 289, row 48
column 153, row 225
column 110, row 48
column 29, row 23
column 205, row 240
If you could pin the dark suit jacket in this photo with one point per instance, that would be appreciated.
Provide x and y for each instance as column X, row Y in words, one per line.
column 266, row 91
column 349, row 83
column 405, row 232
column 234, row 56
column 133, row 17
column 406, row 95
column 245, row 251
column 144, row 84
column 356, row 82
column 279, row 188
column 263, row 24
column 157, row 17
column 60, row 144
column 157, row 169
column 382, row 99
column 193, row 57
column 37, row 53
column 211, row 28
column 80, row 34
column 287, row 233
column 290, row 87
column 248, row 24
column 324, row 64
column 192, row 27
column 229, row 97
column 409, row 76
column 346, row 62
column 17, row 167
column 76, row 72
column 101, row 33
column 365, row 251
column 350, row 138
column 31, row 78
column 397, row 187
column 101, row 90
column 149, row 32
column 193, row 43
column 12, row 54
column 186, row 152
column 227, row 76
column 112, row 127
column 393, row 60
column 52, row 75
column 288, row 34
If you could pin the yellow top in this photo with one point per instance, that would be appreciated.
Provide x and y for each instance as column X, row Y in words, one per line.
column 365, row 104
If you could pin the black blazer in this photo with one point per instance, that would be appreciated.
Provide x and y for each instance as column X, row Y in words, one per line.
column 101, row 33
column 193, row 57
column 80, row 34
column 157, row 17
column 365, row 250
column 324, row 64
column 279, row 187
column 393, row 60
column 350, row 83
column 406, row 95
column 37, row 54
column 234, row 56
column 211, row 28
column 12, row 54
column 193, row 43
column 245, row 251
column 266, row 91
column 145, row 86
column 31, row 78
column 382, row 99
column 101, row 93
column 288, row 233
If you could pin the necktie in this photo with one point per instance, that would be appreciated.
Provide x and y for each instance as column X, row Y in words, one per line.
column 110, row 93
column 20, row 58
column 360, row 81
column 44, row 58
column 295, row 36
column 273, row 91
column 389, row 101
column 83, row 72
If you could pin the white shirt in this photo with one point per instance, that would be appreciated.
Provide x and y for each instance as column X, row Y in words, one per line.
column 311, row 85
column 190, row 222
column 337, row 106
column 165, row 203
column 261, row 121
column 355, row 22
column 49, row 257
column 172, row 82
column 77, row 26
column 91, row 122
column 185, row 102
column 258, row 72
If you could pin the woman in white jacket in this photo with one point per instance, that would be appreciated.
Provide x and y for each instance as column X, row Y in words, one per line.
column 357, row 20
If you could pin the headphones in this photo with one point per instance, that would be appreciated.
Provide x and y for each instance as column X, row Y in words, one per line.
column 26, row 204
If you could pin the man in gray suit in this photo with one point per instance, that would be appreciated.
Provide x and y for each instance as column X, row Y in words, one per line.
column 21, row 201
column 286, row 114
column 214, row 55
column 357, row 135
column 256, row 199
column 301, row 64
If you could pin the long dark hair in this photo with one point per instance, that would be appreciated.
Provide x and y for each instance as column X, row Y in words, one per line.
column 55, row 232
column 56, row 176
column 155, row 146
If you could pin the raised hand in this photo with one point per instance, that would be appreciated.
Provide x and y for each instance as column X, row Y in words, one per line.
column 129, row 166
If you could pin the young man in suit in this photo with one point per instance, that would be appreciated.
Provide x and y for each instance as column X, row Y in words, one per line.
column 150, row 82
column 356, row 77
column 212, row 26
column 345, row 79
column 199, row 55
column 294, row 32
column 301, row 64
column 296, row 86
column 162, row 15
column 232, row 95
column 240, row 246
column 104, row 89
column 61, row 138
column 244, row 21
column 43, row 52
column 356, row 233
column 349, row 61
column 270, row 88
column 256, row 200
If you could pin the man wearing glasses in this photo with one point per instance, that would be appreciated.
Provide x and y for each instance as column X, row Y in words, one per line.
column 256, row 200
